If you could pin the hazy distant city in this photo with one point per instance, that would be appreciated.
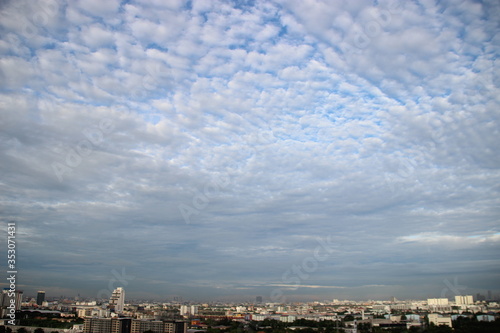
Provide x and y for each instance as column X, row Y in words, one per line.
column 249, row 166
column 464, row 313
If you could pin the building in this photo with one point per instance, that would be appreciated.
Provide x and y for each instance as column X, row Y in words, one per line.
column 128, row 325
column 92, row 311
column 241, row 309
column 489, row 318
column 288, row 318
column 121, row 325
column 158, row 326
column 117, row 300
column 5, row 301
column 188, row 310
column 6, row 297
column 437, row 301
column 40, row 297
column 107, row 325
column 97, row 325
column 464, row 300
column 437, row 320
column 413, row 317
column 381, row 308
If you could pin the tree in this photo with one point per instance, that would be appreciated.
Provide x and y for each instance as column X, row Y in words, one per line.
column 439, row 329
column 349, row 317
column 22, row 330
column 364, row 327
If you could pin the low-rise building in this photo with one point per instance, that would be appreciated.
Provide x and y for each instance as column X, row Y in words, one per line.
column 437, row 319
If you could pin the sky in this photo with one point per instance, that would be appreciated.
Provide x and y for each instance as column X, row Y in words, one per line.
column 223, row 150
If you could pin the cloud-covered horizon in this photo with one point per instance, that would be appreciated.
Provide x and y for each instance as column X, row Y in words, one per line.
column 207, row 149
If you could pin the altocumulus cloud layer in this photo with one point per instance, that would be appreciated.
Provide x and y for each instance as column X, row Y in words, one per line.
column 208, row 148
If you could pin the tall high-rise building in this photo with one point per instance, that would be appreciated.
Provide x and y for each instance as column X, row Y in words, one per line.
column 117, row 300
column 40, row 297
column 258, row 299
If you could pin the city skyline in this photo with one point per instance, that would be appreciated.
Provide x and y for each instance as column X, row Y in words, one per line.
column 294, row 150
column 77, row 316
column 117, row 301
column 250, row 301
column 463, row 298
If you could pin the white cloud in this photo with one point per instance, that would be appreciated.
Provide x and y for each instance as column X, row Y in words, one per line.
column 15, row 72
column 96, row 36
column 447, row 241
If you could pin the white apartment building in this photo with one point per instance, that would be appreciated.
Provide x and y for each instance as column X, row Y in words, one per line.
column 437, row 320
column 188, row 310
column 437, row 301
column 464, row 300
column 117, row 300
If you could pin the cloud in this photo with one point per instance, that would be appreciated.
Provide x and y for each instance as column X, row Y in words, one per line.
column 206, row 147
column 457, row 241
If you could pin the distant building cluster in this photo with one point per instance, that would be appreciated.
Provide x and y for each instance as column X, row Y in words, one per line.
column 117, row 316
